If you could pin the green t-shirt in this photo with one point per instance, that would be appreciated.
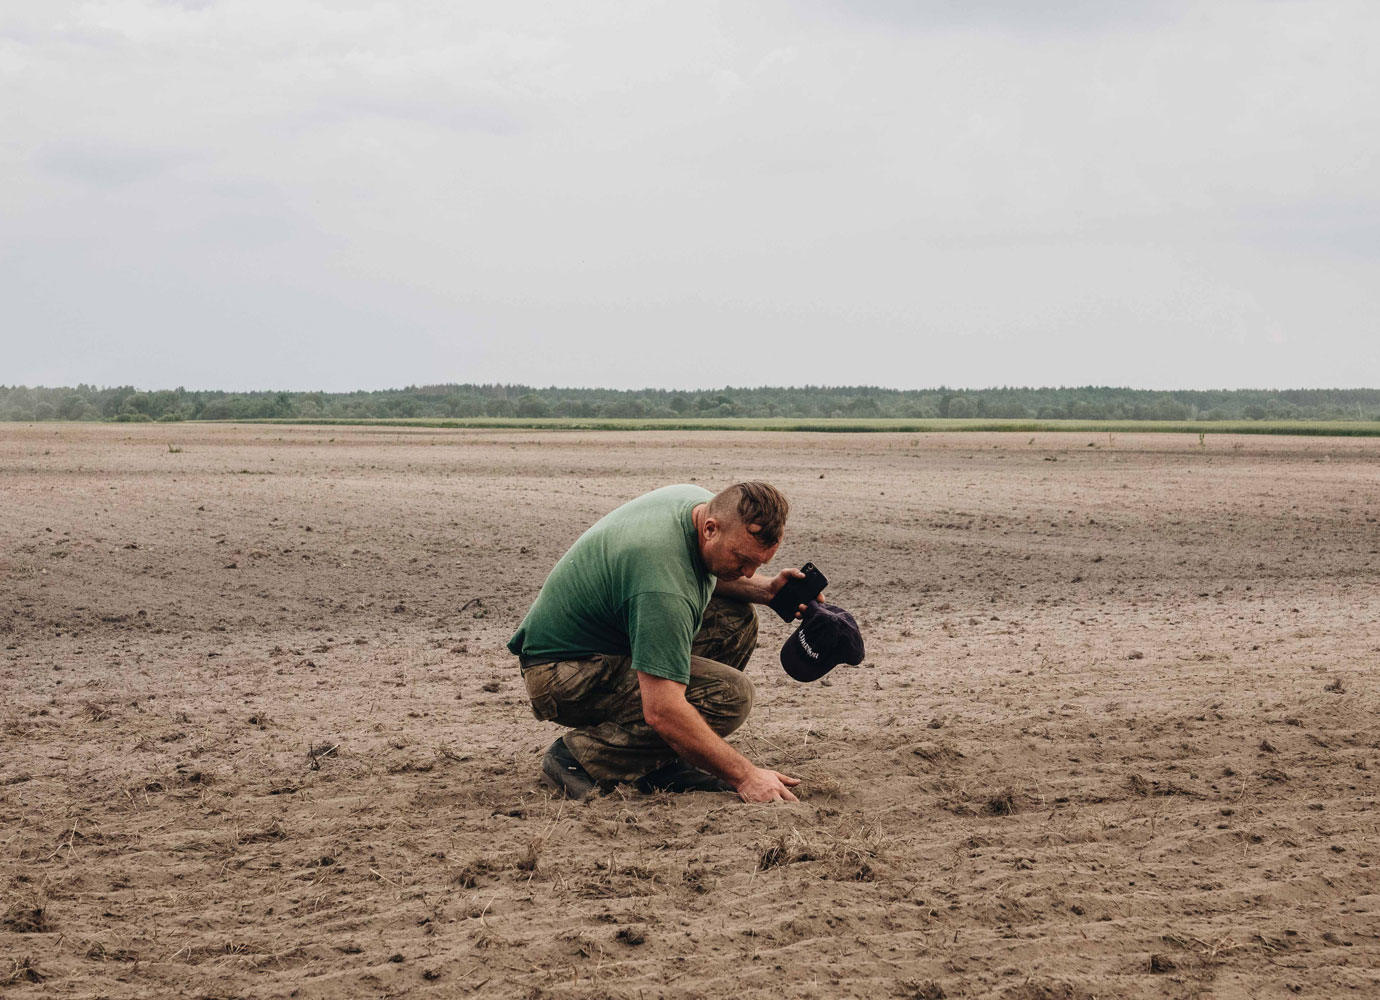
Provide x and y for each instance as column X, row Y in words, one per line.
column 633, row 584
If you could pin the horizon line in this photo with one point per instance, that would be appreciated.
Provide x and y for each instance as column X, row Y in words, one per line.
column 703, row 389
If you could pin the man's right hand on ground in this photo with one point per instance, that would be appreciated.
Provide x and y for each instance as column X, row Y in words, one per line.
column 765, row 785
column 685, row 731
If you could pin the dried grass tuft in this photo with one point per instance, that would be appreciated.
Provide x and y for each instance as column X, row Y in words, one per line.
column 22, row 970
column 846, row 856
column 27, row 918
column 526, row 860
column 95, row 712
column 926, row 989
column 1001, row 804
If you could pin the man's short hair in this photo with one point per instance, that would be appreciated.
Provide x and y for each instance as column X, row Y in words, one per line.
column 754, row 504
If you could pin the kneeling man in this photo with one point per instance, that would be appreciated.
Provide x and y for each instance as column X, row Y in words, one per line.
column 638, row 640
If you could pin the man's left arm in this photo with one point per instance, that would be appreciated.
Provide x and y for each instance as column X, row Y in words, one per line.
column 758, row 588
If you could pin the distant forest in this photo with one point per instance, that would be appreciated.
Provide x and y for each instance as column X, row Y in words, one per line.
column 88, row 402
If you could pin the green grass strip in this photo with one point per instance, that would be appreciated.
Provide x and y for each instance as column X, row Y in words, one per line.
column 1316, row 428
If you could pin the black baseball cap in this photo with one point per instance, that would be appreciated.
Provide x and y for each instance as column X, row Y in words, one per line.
column 827, row 636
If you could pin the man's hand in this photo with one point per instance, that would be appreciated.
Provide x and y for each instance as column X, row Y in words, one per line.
column 683, row 728
column 765, row 785
column 780, row 580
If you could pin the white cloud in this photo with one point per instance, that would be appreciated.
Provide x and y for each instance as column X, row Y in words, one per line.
column 966, row 193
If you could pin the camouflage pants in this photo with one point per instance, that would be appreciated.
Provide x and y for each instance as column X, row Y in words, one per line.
column 599, row 698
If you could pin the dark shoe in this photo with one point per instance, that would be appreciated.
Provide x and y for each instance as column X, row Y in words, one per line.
column 565, row 772
column 679, row 776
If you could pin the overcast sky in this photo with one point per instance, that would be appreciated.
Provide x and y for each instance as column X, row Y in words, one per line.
column 248, row 194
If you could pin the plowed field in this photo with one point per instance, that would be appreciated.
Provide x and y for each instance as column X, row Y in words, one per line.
column 1116, row 734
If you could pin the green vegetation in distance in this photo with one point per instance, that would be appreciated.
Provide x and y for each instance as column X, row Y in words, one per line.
column 1317, row 428
column 829, row 407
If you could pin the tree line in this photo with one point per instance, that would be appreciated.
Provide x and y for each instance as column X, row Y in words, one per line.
column 452, row 401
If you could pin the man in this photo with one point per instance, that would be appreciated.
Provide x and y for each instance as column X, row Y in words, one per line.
column 639, row 637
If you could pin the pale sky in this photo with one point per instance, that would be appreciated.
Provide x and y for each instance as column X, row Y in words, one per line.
column 246, row 194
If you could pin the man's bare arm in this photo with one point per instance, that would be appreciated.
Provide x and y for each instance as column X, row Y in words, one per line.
column 683, row 728
column 756, row 589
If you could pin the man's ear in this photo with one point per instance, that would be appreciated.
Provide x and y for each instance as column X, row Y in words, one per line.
column 711, row 527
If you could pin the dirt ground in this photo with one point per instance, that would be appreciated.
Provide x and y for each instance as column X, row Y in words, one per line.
column 1115, row 736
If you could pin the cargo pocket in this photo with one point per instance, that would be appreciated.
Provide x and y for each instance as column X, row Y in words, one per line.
column 558, row 689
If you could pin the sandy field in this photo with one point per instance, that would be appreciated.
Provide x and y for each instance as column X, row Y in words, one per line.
column 1115, row 735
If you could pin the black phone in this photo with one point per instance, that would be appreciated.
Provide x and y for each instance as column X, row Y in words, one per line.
column 798, row 591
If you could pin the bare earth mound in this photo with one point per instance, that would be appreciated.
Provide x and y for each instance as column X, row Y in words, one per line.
column 1116, row 734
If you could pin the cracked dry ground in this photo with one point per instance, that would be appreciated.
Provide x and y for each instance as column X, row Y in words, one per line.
column 1116, row 735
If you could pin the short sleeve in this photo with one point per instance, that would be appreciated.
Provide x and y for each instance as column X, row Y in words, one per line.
column 661, row 628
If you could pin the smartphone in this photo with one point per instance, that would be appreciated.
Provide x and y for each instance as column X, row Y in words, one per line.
column 798, row 591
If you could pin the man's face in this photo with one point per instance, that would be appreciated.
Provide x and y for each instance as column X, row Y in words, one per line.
column 731, row 551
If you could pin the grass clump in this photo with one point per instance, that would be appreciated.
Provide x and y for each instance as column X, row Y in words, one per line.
column 846, row 856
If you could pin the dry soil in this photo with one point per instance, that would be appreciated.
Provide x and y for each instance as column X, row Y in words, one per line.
column 1115, row 735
